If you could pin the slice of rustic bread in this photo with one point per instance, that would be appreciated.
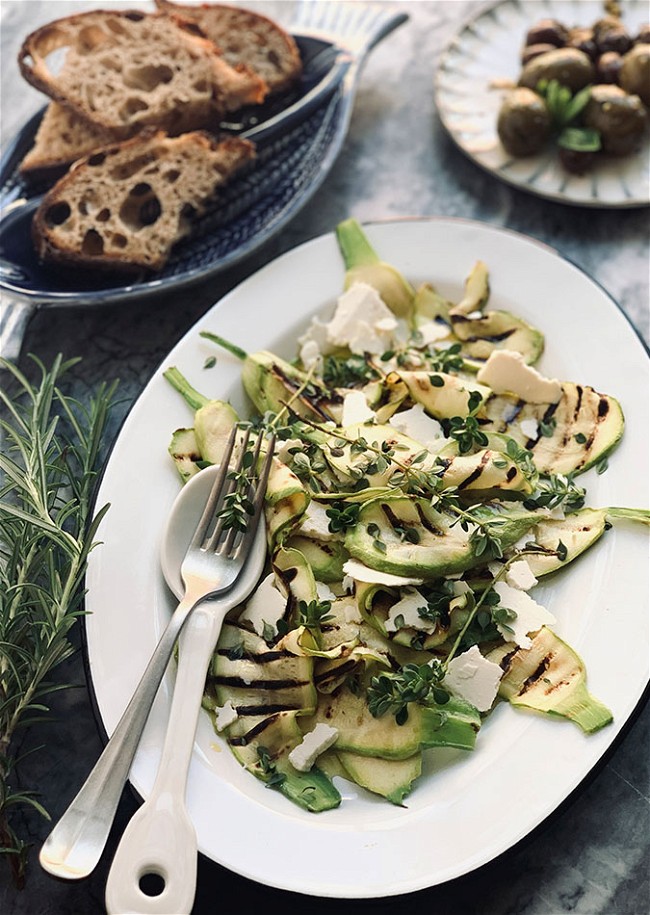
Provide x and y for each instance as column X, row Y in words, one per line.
column 245, row 37
column 126, row 206
column 62, row 138
column 124, row 70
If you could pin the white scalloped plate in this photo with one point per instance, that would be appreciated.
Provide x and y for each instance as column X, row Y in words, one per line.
column 486, row 51
column 467, row 809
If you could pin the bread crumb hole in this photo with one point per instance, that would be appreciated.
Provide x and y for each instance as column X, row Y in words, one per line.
column 172, row 175
column 120, row 241
column 201, row 85
column 141, row 208
column 90, row 38
column 93, row 243
column 147, row 78
column 104, row 215
column 58, row 213
column 129, row 169
column 97, row 159
column 131, row 107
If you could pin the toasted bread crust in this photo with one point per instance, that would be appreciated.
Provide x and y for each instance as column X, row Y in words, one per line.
column 124, row 70
column 126, row 206
column 243, row 36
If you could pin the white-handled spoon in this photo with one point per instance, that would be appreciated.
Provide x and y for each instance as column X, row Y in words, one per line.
column 160, row 839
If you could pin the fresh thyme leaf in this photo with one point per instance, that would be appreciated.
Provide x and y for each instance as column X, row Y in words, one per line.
column 210, row 362
column 49, row 460
column 413, row 683
column 314, row 613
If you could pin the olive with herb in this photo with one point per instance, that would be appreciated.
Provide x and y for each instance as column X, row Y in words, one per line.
column 634, row 75
column 619, row 118
column 524, row 122
column 570, row 67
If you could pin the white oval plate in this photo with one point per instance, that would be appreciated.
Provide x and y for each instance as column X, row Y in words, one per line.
column 468, row 808
column 487, row 50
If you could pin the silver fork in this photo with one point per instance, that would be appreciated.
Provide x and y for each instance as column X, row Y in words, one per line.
column 214, row 566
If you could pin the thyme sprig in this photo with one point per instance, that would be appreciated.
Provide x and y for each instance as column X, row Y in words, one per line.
column 412, row 683
column 49, row 460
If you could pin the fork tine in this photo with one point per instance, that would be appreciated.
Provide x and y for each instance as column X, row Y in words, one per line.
column 215, row 492
column 233, row 533
column 210, row 541
column 258, row 497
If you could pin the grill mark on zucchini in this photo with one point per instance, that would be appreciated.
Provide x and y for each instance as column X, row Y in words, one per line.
column 335, row 672
column 266, row 657
column 220, row 680
column 426, row 522
column 254, row 732
column 314, row 403
column 579, row 392
column 476, row 473
column 270, row 709
column 603, row 408
column 536, row 674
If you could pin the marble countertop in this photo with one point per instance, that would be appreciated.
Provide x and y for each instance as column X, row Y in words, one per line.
column 592, row 858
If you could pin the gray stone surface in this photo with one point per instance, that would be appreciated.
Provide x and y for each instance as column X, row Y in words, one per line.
column 592, row 858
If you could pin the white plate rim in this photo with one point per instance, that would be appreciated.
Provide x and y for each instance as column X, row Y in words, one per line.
column 278, row 817
column 479, row 158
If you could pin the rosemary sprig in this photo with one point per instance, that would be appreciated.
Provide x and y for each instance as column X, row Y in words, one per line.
column 48, row 466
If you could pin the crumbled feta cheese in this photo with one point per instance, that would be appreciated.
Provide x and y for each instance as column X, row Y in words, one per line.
column 266, row 605
column 315, row 523
column 431, row 331
column 421, row 428
column 530, row 428
column 520, row 576
column 316, row 333
column 225, row 715
column 313, row 744
column 356, row 409
column 507, row 372
column 405, row 613
column 472, row 677
column 530, row 617
column 362, row 321
column 475, row 315
column 283, row 448
column 359, row 572
column 324, row 591
column 348, row 584
column 310, row 354
column 351, row 613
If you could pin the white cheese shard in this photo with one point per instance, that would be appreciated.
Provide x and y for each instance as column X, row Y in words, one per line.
column 530, row 616
column 315, row 523
column 430, row 332
column 472, row 677
column 405, row 613
column 415, row 423
column 314, row 340
column 225, row 715
column 266, row 605
column 282, row 449
column 506, row 372
column 362, row 321
column 312, row 745
column 529, row 428
column 310, row 354
column 356, row 409
column 520, row 576
column 360, row 572
column 324, row 591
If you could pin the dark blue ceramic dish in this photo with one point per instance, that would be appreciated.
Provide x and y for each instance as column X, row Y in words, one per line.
column 296, row 148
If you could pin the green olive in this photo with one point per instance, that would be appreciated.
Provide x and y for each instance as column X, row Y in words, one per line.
column 618, row 117
column 570, row 67
column 634, row 75
column 524, row 122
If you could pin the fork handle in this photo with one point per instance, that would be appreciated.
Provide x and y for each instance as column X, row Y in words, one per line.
column 76, row 843
column 160, row 838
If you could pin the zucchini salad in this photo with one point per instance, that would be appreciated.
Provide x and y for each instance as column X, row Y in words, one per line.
column 425, row 479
